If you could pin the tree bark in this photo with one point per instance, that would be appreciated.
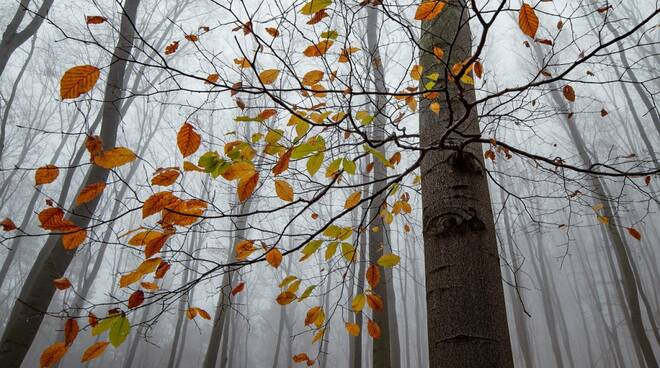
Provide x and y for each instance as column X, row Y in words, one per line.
column 467, row 323
column 53, row 260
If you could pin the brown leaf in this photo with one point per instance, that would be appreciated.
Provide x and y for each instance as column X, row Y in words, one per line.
column 90, row 192
column 634, row 233
column 274, row 257
column 71, row 329
column 165, row 177
column 246, row 186
column 78, row 80
column 171, row 48
column 52, row 354
column 373, row 275
column 283, row 163
column 188, row 140
column 373, row 329
column 318, row 49
column 285, row 298
column 162, row 270
column 95, row 19
column 7, row 224
column 46, row 174
column 238, row 288
column 136, row 299
column 62, row 283
column 273, row 31
column 157, row 202
column 569, row 93
column 528, row 21
column 94, row 145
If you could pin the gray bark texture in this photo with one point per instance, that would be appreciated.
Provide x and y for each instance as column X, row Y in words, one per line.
column 53, row 260
column 467, row 325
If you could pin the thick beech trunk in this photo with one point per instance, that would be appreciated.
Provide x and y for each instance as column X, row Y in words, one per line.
column 467, row 323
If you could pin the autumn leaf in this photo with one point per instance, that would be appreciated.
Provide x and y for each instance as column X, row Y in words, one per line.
column 569, row 93
column 244, row 249
column 162, row 269
column 7, row 224
column 318, row 49
column 188, row 140
column 353, row 200
column 136, row 299
column 148, row 266
column 246, row 186
column 171, row 48
column 312, row 314
column 283, row 163
column 94, row 351
column 78, row 80
column 46, row 174
column 353, row 329
column 373, row 329
column 192, row 37
column 74, row 238
column 285, row 298
column 302, row 357
column 314, row 6
column 375, row 302
column 429, row 9
column 144, row 237
column 416, row 72
column 114, row 158
column 438, row 52
column 388, row 260
column 62, row 283
column 150, row 286
column 269, row 76
column 274, row 257
column 284, row 190
column 528, row 21
column 634, row 233
column 238, row 288
column 165, row 177
column 358, row 303
column 157, row 202
column 71, row 329
column 95, row 19
column 119, row 331
column 53, row 219
column 373, row 275
column 52, row 354
column 90, row 192
column 272, row 31
column 129, row 278
column 313, row 77
column 204, row 314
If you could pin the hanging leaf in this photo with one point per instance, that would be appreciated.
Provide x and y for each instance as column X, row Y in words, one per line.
column 603, row 220
column 373, row 329
column 71, row 329
column 283, row 163
column 375, row 302
column 136, row 299
column 312, row 314
column 438, row 52
column 318, row 49
column 353, row 200
column 528, row 21
column 429, row 9
column 246, row 187
column 272, row 31
column 285, row 298
column 188, row 140
column 78, row 80
column 416, row 72
column 388, row 260
column 130, row 278
column 52, row 354
column 358, row 303
column 90, row 192
column 353, row 329
column 7, row 224
column 171, row 48
column 74, row 238
column 238, row 288
column 62, row 283
column 244, row 249
column 274, row 257
column 157, row 202
column 165, row 177
column 302, row 357
column 119, row 331
column 373, row 275
column 313, row 77
column 569, row 93
column 94, row 351
column 150, row 286
column 162, row 269
column 269, row 76
column 53, row 219
column 46, row 174
column 314, row 6
column 95, row 19
column 284, row 190
column 634, row 233
column 148, row 266
column 114, row 158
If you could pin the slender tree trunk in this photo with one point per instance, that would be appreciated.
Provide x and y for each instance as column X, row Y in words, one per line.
column 53, row 260
column 467, row 323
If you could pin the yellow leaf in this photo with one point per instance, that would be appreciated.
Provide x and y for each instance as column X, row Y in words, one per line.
column 429, row 9
column 78, row 80
column 318, row 49
column 312, row 314
column 314, row 6
column 114, row 157
column 353, row 200
column 188, row 140
column 94, row 351
column 435, row 107
column 269, row 76
column 130, row 278
column 388, row 260
column 528, row 21
column 313, row 77
column 358, row 303
column 148, row 266
column 287, row 280
column 353, row 329
column 603, row 220
column 294, row 286
column 52, row 354
column 145, row 237
column 318, row 335
column 284, row 190
column 90, row 192
column 46, row 174
column 416, row 72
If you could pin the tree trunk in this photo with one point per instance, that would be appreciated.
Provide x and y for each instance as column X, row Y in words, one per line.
column 53, row 260
column 467, row 323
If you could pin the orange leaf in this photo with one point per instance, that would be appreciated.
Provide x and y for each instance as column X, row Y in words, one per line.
column 7, row 224
column 312, row 77
column 94, row 351
column 46, row 174
column 373, row 275
column 154, row 246
column 73, row 239
column 284, row 190
column 162, row 270
column 136, row 299
column 312, row 314
column 165, row 177
column 269, row 76
column 569, row 93
column 191, row 313
column 94, row 145
column 62, row 283
column 273, row 31
column 352, row 328
column 188, row 140
column 428, row 10
column 96, row 19
column 71, row 329
column 299, row 358
column 244, row 248
column 171, row 48
column 144, row 237
column 246, row 186
column 129, row 278
column 274, row 257
column 283, row 163
column 375, row 302
column 204, row 314
column 353, row 200
column 318, row 49
column 157, row 202
column 238, row 288
column 266, row 114
column 78, row 80
column 528, row 21
column 52, row 354
column 373, row 329
column 114, row 158
column 92, row 319
column 192, row 37
column 53, row 219
column 212, row 79
column 90, row 192
column 151, row 286
column 634, row 233
column 285, row 298
column 148, row 266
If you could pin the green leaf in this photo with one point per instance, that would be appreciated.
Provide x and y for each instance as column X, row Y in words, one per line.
column 332, row 231
column 333, row 167
column 314, row 163
column 119, row 331
column 306, row 293
column 331, row 250
column 104, row 325
column 348, row 251
column 332, row 35
column 274, row 136
column 310, row 249
column 349, row 166
column 315, row 6
column 302, row 150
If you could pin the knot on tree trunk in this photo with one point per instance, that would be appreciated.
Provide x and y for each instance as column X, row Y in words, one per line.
column 454, row 221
